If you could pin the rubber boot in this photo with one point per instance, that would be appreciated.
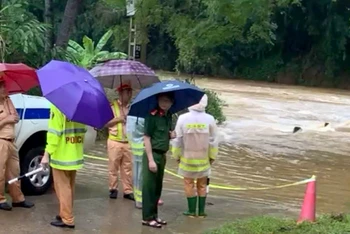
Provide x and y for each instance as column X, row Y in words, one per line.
column 201, row 207
column 192, row 204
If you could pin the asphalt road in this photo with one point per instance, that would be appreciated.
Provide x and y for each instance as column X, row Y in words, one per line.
column 96, row 213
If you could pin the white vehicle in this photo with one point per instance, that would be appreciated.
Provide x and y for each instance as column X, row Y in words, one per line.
column 34, row 113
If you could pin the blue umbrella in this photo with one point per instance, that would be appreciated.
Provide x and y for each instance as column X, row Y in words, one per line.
column 75, row 92
column 185, row 95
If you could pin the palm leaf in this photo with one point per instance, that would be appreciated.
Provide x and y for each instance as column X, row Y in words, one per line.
column 75, row 53
column 103, row 41
column 100, row 55
column 118, row 55
column 88, row 45
column 73, row 45
column 110, row 56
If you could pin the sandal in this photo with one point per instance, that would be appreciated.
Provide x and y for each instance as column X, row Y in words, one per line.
column 161, row 221
column 152, row 223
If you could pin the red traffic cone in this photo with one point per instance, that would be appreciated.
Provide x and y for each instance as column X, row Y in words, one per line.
column 308, row 210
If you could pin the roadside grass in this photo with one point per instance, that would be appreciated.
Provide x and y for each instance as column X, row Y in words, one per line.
column 326, row 224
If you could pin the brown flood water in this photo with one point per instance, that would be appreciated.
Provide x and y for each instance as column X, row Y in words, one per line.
column 259, row 149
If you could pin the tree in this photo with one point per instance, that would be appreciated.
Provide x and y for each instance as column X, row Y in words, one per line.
column 66, row 27
column 22, row 34
column 49, row 20
column 88, row 55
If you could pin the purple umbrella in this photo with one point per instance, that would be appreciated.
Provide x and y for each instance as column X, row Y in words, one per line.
column 114, row 72
column 75, row 92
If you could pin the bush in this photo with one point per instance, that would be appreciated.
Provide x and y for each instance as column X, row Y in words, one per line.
column 327, row 224
column 215, row 106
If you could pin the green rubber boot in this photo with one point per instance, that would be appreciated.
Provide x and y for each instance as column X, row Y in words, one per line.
column 201, row 207
column 192, row 203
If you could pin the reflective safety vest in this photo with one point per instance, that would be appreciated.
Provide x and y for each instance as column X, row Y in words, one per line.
column 65, row 142
column 196, row 144
column 120, row 134
column 135, row 130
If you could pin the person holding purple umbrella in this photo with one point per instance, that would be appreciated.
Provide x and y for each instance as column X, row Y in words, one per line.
column 73, row 93
column 65, row 154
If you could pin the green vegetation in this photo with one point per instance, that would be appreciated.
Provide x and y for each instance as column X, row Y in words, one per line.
column 329, row 224
column 22, row 36
column 215, row 106
column 88, row 55
column 286, row 41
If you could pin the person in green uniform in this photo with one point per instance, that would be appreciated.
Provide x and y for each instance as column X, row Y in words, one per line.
column 157, row 135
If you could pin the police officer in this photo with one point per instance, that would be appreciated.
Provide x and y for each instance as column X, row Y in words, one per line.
column 9, row 161
column 119, row 152
column 157, row 135
column 64, row 151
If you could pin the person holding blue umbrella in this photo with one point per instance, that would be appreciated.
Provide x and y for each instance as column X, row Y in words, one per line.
column 157, row 104
column 74, row 93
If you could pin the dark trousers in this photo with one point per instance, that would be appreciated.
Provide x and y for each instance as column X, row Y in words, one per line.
column 152, row 186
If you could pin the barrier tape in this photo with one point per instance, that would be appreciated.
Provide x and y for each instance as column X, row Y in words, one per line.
column 224, row 187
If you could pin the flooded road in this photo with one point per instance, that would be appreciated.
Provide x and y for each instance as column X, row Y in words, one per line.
column 259, row 149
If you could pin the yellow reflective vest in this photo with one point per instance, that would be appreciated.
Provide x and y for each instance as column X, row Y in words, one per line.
column 119, row 136
column 65, row 141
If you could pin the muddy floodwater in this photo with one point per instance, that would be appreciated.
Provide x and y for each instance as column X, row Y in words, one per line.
column 258, row 147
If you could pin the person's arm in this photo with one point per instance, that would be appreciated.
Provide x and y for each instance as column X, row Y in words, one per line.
column 149, row 129
column 177, row 143
column 55, row 130
column 3, row 122
column 12, row 108
column 148, row 148
column 115, row 121
column 213, row 141
column 12, row 111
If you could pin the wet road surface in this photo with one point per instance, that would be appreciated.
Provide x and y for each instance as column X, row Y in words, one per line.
column 96, row 213
column 257, row 149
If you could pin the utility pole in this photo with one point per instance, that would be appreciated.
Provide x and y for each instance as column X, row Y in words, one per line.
column 135, row 49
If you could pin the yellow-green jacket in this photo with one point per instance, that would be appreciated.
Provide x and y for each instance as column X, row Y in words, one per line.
column 65, row 142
